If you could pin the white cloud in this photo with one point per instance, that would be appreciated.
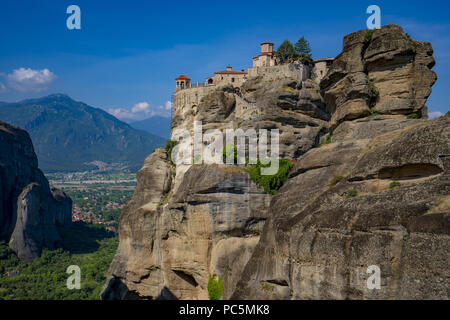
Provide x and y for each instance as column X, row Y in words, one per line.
column 435, row 114
column 140, row 107
column 121, row 113
column 2, row 87
column 141, row 111
column 25, row 80
column 168, row 105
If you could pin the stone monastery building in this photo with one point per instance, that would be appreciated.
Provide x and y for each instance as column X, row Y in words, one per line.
column 265, row 64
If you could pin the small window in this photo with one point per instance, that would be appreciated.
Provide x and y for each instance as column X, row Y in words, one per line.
column 232, row 79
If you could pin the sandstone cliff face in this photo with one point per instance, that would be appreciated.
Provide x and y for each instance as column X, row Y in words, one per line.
column 337, row 214
column 29, row 208
column 210, row 225
column 319, row 242
column 387, row 61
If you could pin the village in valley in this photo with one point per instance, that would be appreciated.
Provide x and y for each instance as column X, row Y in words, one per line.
column 97, row 198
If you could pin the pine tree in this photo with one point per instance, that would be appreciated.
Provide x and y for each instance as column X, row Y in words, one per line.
column 303, row 49
column 286, row 52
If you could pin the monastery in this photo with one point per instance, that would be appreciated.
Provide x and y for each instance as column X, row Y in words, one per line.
column 189, row 94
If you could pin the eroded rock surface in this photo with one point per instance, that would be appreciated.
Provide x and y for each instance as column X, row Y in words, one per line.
column 387, row 61
column 168, row 250
column 319, row 241
column 29, row 209
column 378, row 194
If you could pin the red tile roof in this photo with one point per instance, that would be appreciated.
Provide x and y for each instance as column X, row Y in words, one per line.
column 272, row 54
column 230, row 72
column 182, row 77
column 323, row 59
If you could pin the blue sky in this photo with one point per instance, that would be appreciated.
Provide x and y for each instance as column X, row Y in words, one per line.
column 127, row 53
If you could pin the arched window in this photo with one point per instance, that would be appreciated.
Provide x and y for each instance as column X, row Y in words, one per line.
column 232, row 79
column 210, row 81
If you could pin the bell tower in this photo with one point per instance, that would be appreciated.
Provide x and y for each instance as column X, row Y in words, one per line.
column 183, row 82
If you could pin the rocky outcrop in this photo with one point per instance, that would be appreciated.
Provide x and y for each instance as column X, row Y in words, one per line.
column 382, row 72
column 29, row 209
column 321, row 246
column 294, row 107
column 376, row 193
column 171, row 243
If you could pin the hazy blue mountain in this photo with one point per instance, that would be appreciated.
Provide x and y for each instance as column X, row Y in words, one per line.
column 69, row 135
column 154, row 125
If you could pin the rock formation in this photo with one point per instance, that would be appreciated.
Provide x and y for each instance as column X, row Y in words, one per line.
column 212, row 223
column 339, row 214
column 386, row 61
column 29, row 209
column 375, row 192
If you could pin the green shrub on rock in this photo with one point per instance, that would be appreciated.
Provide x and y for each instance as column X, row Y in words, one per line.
column 327, row 140
column 271, row 183
column 170, row 144
column 351, row 193
column 335, row 181
column 215, row 287
column 394, row 184
column 368, row 36
column 412, row 116
column 230, row 150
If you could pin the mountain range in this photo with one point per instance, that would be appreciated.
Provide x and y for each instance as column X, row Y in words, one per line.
column 155, row 125
column 72, row 136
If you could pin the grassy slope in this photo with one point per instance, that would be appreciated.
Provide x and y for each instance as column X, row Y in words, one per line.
column 90, row 247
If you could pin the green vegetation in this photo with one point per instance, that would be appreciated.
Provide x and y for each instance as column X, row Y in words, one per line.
column 368, row 36
column 215, row 287
column 373, row 113
column 408, row 36
column 230, row 150
column 351, row 193
column 267, row 287
column 303, row 50
column 170, row 144
column 163, row 201
column 99, row 204
column 325, row 141
column 288, row 89
column 107, row 177
column 72, row 135
column 271, row 183
column 90, row 247
column 447, row 114
column 374, row 93
column 394, row 184
column 336, row 179
column 286, row 52
column 412, row 116
column 441, row 205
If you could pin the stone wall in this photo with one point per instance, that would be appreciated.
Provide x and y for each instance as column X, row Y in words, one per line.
column 319, row 71
column 236, row 80
column 295, row 71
